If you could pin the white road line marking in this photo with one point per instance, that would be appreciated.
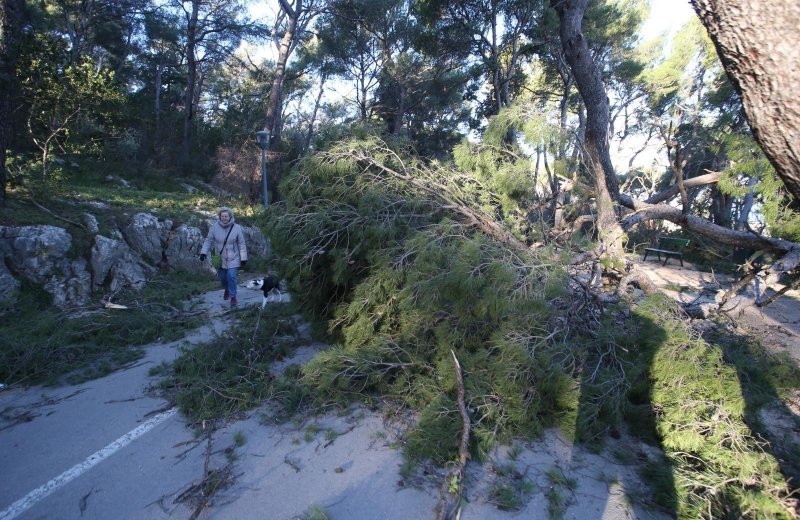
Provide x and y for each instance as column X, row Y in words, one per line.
column 25, row 503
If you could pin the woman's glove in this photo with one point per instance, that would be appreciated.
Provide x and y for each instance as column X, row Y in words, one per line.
column 202, row 257
column 244, row 263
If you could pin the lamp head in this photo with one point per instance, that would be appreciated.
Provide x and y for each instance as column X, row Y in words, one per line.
column 263, row 139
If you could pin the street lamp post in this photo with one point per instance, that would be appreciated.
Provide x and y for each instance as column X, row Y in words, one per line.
column 263, row 141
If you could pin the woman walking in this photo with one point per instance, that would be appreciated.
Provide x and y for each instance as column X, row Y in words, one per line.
column 227, row 238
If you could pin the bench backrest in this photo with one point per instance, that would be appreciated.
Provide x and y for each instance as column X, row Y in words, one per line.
column 673, row 243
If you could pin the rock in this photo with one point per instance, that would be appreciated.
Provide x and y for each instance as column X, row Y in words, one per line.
column 146, row 235
column 702, row 311
column 8, row 284
column 36, row 251
column 39, row 253
column 119, row 181
column 257, row 243
column 74, row 289
column 183, row 248
column 116, row 265
column 90, row 222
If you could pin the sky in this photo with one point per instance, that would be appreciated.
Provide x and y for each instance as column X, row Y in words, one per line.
column 666, row 15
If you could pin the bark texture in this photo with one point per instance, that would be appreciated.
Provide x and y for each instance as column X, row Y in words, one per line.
column 191, row 80
column 758, row 43
column 597, row 157
column 273, row 121
column 10, row 21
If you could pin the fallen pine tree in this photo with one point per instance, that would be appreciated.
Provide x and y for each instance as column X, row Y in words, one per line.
column 408, row 264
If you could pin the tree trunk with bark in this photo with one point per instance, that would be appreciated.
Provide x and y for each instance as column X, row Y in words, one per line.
column 191, row 78
column 273, row 119
column 757, row 43
column 10, row 21
column 596, row 156
column 317, row 104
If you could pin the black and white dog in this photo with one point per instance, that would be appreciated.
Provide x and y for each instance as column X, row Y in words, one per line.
column 268, row 284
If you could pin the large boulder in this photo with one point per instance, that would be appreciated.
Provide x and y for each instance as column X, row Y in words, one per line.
column 257, row 243
column 72, row 289
column 35, row 252
column 183, row 248
column 115, row 265
column 40, row 254
column 148, row 236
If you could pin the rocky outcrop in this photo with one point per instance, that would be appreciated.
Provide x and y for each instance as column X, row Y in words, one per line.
column 45, row 256
column 146, row 235
column 257, row 243
column 183, row 248
column 39, row 253
column 115, row 265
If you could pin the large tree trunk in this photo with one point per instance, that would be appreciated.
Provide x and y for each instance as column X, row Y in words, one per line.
column 596, row 154
column 10, row 21
column 273, row 119
column 191, row 78
column 757, row 42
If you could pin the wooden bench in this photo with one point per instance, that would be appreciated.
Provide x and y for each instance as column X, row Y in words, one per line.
column 669, row 248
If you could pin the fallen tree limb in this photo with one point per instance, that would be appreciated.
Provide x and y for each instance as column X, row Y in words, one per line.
column 794, row 285
column 694, row 182
column 643, row 212
column 68, row 221
column 449, row 507
column 440, row 187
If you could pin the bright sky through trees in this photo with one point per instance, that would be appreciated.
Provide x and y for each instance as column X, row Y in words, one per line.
column 666, row 16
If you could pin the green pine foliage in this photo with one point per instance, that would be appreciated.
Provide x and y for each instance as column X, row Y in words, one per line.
column 748, row 161
column 720, row 469
column 232, row 373
column 400, row 283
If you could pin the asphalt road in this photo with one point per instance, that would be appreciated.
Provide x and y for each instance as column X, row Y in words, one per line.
column 104, row 447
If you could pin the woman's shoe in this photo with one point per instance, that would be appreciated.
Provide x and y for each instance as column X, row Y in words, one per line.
column 233, row 301
column 226, row 295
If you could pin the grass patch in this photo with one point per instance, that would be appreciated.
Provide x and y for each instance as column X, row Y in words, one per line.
column 559, row 493
column 76, row 190
column 316, row 512
column 42, row 344
column 231, row 373
column 510, row 490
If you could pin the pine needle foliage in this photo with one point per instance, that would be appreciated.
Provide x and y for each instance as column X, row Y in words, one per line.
column 748, row 161
column 231, row 373
column 720, row 469
column 402, row 279
column 379, row 247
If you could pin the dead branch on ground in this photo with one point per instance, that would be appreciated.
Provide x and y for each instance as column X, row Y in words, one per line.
column 449, row 507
